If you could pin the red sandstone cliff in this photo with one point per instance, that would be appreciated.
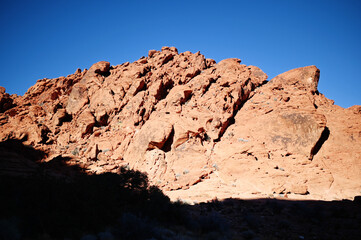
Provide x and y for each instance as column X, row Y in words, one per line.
column 198, row 128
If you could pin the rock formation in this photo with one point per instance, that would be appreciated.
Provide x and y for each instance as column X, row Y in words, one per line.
column 198, row 128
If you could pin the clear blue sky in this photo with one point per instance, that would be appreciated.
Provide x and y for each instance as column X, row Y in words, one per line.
column 48, row 39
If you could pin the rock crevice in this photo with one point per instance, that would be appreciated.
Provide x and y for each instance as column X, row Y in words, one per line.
column 324, row 136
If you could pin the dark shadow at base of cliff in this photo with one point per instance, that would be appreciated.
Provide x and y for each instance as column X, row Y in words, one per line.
column 52, row 200
column 272, row 218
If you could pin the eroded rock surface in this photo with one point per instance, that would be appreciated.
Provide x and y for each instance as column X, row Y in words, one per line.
column 200, row 129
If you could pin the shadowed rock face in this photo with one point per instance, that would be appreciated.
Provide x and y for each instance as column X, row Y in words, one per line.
column 200, row 129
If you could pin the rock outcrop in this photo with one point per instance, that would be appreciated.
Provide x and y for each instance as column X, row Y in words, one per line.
column 198, row 128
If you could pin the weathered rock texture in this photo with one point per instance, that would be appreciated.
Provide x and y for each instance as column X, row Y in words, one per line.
column 200, row 129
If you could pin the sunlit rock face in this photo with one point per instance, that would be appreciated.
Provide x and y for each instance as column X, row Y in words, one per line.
column 198, row 128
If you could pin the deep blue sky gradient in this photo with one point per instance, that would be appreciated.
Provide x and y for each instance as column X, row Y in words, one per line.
column 48, row 39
